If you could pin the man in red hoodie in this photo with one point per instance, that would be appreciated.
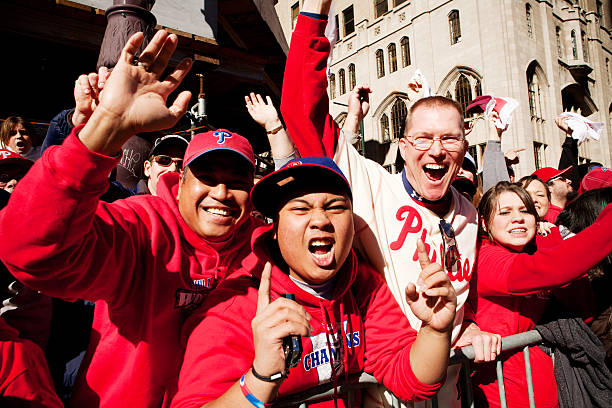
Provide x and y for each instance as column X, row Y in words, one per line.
column 344, row 312
column 146, row 261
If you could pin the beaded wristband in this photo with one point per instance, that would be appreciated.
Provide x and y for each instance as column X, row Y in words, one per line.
column 249, row 396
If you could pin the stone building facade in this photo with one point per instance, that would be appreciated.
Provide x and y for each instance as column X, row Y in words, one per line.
column 551, row 56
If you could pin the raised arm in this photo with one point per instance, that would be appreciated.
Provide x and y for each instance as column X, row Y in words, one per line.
column 68, row 237
column 264, row 113
column 494, row 167
column 550, row 266
column 305, row 104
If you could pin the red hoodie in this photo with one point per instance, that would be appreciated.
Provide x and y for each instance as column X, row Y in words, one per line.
column 144, row 267
column 512, row 291
column 363, row 323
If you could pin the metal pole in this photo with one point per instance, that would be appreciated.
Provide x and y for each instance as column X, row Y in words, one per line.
column 529, row 378
column 500, row 384
column 468, row 384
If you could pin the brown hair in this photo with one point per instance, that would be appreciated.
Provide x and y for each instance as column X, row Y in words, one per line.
column 434, row 102
column 12, row 121
column 527, row 180
column 488, row 204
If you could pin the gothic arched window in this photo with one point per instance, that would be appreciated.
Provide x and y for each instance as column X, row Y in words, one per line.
column 398, row 117
column 384, row 128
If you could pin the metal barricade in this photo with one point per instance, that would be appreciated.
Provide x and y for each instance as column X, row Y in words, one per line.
column 464, row 356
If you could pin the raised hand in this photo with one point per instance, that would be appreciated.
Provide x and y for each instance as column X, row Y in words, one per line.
column 433, row 299
column 262, row 112
column 134, row 97
column 511, row 155
column 87, row 89
column 358, row 107
column 561, row 122
column 272, row 323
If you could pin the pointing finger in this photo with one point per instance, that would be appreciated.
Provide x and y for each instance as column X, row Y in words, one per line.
column 423, row 255
column 263, row 297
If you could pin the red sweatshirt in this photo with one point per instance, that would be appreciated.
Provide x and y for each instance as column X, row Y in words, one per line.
column 24, row 376
column 512, row 293
column 364, row 323
column 144, row 267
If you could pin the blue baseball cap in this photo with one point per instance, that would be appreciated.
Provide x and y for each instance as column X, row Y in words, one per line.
column 271, row 190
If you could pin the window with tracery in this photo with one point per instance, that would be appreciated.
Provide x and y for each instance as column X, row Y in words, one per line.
column 341, row 82
column 352, row 77
column 463, row 92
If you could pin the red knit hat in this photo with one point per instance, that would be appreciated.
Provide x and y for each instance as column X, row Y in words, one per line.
column 220, row 139
column 548, row 173
column 597, row 178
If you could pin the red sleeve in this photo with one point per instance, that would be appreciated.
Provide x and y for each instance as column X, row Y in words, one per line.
column 58, row 238
column 304, row 103
column 221, row 343
column 387, row 352
column 502, row 272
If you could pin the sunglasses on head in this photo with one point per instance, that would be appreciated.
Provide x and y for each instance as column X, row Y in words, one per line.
column 451, row 253
column 166, row 161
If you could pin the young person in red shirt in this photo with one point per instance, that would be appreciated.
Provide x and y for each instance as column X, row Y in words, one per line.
column 514, row 274
column 344, row 312
column 146, row 261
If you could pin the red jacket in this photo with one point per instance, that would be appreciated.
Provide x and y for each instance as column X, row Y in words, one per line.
column 24, row 376
column 368, row 330
column 512, row 291
column 144, row 267
column 552, row 213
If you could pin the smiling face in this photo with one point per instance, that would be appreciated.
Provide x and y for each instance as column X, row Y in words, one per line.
column 511, row 224
column 213, row 195
column 539, row 194
column 19, row 139
column 315, row 234
column 431, row 172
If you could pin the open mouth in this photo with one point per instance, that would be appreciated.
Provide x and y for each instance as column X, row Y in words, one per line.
column 435, row 172
column 518, row 231
column 322, row 250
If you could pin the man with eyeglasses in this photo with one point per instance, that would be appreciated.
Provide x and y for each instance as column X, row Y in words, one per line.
column 392, row 211
column 166, row 156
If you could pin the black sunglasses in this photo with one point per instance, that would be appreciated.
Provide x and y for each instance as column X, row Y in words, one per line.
column 451, row 253
column 166, row 161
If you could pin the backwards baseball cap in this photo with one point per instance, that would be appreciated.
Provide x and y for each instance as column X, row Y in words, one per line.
column 548, row 173
column 166, row 141
column 271, row 190
column 9, row 158
column 599, row 177
column 215, row 140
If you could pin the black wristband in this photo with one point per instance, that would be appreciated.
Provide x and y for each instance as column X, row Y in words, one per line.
column 272, row 378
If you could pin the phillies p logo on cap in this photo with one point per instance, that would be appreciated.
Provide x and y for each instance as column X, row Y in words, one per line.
column 222, row 135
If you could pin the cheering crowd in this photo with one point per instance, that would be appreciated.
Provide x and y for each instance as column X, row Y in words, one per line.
column 197, row 286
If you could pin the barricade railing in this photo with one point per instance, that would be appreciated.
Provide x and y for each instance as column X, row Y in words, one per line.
column 463, row 355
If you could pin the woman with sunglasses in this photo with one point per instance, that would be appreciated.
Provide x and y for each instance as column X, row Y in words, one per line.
column 515, row 272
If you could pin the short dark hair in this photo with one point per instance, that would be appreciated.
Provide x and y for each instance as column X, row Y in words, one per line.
column 8, row 125
column 488, row 203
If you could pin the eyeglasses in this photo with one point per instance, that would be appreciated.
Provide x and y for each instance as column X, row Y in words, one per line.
column 166, row 161
column 451, row 253
column 449, row 143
